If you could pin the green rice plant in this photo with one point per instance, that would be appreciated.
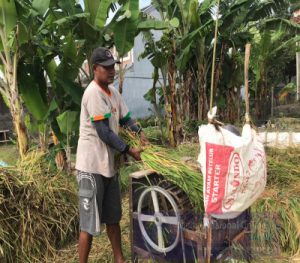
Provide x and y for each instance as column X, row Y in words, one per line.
column 276, row 220
column 125, row 171
column 283, row 167
column 161, row 161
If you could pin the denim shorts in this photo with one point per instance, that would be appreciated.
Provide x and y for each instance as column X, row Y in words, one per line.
column 99, row 201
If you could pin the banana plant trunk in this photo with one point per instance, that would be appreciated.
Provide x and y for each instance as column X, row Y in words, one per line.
column 14, row 103
column 121, row 76
column 186, row 100
column 167, row 107
column 60, row 159
column 232, row 109
column 9, row 85
column 21, row 131
column 262, row 96
column 158, row 115
column 218, row 70
column 175, row 126
column 202, row 97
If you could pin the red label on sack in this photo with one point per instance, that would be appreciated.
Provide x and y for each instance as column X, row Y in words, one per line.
column 217, row 161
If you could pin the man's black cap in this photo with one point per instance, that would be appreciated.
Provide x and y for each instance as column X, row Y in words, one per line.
column 102, row 56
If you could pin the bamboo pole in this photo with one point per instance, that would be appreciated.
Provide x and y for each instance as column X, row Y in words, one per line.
column 272, row 102
column 298, row 72
column 213, row 60
column 246, row 79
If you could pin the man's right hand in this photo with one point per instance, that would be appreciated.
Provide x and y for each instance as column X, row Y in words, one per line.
column 135, row 153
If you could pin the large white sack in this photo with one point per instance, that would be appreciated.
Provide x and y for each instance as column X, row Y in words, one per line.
column 234, row 170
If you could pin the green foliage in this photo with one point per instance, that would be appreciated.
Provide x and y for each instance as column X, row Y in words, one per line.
column 290, row 88
column 147, row 122
column 153, row 24
column 40, row 6
column 125, row 172
column 159, row 159
column 191, row 126
column 31, row 85
column 68, row 122
column 240, row 22
column 8, row 16
column 126, row 27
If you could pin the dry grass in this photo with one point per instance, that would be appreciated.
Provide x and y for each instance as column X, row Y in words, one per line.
column 38, row 209
column 8, row 153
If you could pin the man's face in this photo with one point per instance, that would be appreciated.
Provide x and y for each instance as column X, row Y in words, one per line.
column 104, row 74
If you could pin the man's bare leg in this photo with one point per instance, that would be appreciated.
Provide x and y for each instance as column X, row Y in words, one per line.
column 84, row 246
column 114, row 235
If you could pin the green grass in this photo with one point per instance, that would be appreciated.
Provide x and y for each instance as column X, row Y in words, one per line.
column 187, row 150
column 125, row 171
column 154, row 135
column 8, row 153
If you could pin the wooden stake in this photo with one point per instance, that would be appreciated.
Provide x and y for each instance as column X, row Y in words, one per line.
column 246, row 78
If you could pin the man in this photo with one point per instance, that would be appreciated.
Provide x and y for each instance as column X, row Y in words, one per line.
column 102, row 110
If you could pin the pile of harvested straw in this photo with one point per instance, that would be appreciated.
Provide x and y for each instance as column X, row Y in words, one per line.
column 38, row 210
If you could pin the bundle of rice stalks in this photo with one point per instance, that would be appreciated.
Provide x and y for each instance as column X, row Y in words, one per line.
column 276, row 223
column 283, row 167
column 161, row 161
column 38, row 210
column 276, row 214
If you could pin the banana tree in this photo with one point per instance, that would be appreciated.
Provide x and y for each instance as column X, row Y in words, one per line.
column 55, row 89
column 173, row 54
column 272, row 49
column 158, row 52
column 13, row 35
column 28, row 42
column 162, row 56
column 236, row 23
column 234, row 33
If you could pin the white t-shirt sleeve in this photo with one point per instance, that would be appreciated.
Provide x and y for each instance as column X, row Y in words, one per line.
column 96, row 106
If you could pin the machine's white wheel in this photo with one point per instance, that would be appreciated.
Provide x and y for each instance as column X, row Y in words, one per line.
column 158, row 218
